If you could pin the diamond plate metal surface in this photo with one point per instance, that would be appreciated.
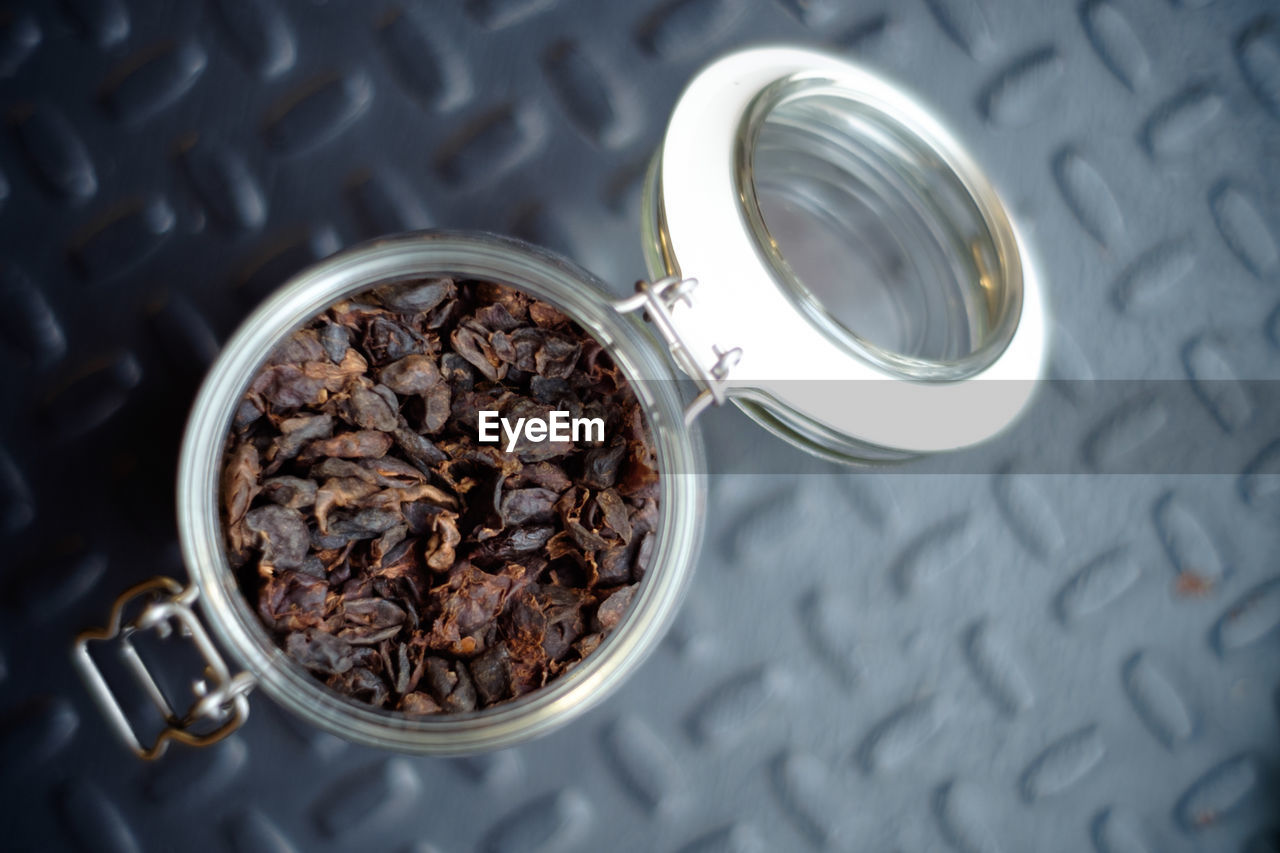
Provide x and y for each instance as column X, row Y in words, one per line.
column 870, row 661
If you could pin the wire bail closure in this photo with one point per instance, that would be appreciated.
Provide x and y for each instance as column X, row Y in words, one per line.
column 221, row 697
column 657, row 299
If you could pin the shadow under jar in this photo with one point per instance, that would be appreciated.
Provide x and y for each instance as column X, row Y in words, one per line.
column 821, row 252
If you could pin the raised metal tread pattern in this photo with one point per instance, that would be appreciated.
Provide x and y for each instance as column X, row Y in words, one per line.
column 866, row 660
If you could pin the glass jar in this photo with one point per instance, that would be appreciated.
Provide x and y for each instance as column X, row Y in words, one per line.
column 860, row 291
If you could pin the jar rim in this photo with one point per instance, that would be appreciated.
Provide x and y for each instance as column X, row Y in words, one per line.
column 479, row 255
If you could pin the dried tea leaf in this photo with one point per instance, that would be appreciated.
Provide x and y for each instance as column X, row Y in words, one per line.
column 281, row 533
column 291, row 601
column 615, row 515
column 437, row 406
column 613, row 565
column 418, row 705
column 557, row 356
column 544, row 475
column 366, row 409
column 340, row 492
column 600, row 465
column 418, row 449
column 370, row 620
column 303, row 345
column 516, row 303
column 640, row 475
column 362, row 523
column 291, row 492
column 496, row 316
column 350, row 445
column 547, row 316
column 239, row 488
column 413, row 374
column 574, row 507
column 286, row 385
column 319, row 651
column 523, row 506
column 294, row 435
column 361, row 683
column 471, row 343
column 613, row 608
column 386, row 341
column 450, row 685
column 474, row 599
column 491, row 673
column 443, row 539
column 250, row 409
column 335, row 339
column 643, row 554
column 416, row 298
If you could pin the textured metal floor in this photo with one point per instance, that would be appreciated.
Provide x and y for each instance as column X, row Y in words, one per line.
column 866, row 661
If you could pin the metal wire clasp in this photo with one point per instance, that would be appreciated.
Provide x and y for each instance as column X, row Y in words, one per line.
column 221, row 704
column 657, row 299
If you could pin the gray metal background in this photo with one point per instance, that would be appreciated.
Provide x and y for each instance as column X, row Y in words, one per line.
column 883, row 661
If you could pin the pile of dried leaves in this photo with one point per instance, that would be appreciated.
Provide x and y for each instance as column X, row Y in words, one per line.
column 393, row 555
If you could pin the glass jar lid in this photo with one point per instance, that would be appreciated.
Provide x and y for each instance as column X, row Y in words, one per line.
column 875, row 297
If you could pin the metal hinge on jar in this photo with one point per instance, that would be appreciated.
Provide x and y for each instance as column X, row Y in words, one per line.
column 221, row 704
column 657, row 299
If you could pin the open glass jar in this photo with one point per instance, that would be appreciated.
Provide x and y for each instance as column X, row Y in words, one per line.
column 820, row 251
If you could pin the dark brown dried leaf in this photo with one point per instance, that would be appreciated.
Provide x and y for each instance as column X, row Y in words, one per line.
column 557, row 357
column 450, row 685
column 437, row 406
column 615, row 514
column 546, row 316
column 361, row 683
column 491, row 672
column 335, row 340
column 544, row 475
column 366, row 409
column 413, row 374
column 497, row 317
column 361, row 444
column 291, row 492
column 474, row 598
column 362, row 523
column 291, row 601
column 281, row 534
column 240, row 482
column 524, row 506
column 386, row 341
column 301, row 346
column 418, row 448
column 613, row 608
column 294, row 435
column 418, row 705
column 287, row 386
column 444, row 538
column 416, row 298
column 600, row 465
column 471, row 343
column 319, row 651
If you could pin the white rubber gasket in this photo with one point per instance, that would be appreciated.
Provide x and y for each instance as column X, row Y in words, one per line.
column 786, row 363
